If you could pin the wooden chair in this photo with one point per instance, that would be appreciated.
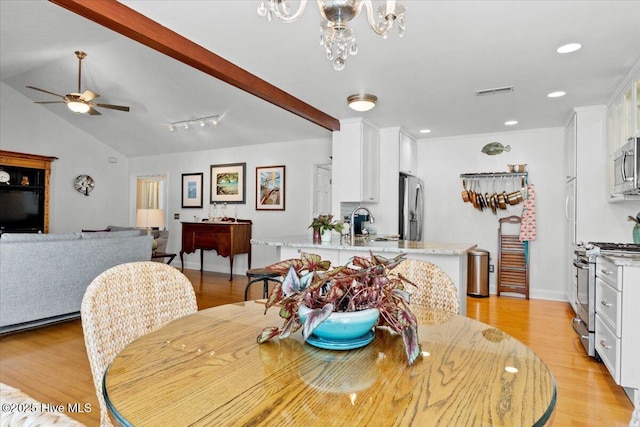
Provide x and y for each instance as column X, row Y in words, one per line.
column 126, row 302
column 435, row 289
column 25, row 411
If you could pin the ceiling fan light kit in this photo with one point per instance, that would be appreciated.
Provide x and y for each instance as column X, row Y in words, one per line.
column 337, row 38
column 363, row 102
column 80, row 102
column 78, row 107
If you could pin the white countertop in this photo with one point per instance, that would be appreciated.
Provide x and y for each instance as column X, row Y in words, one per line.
column 632, row 260
column 394, row 246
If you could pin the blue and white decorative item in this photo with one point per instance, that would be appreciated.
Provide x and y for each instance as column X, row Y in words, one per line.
column 342, row 330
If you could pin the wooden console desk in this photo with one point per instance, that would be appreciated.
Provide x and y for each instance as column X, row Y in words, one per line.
column 226, row 238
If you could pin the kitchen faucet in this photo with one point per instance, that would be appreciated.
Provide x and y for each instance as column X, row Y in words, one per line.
column 352, row 231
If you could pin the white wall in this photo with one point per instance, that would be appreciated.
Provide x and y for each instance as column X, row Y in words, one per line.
column 298, row 158
column 449, row 219
column 30, row 128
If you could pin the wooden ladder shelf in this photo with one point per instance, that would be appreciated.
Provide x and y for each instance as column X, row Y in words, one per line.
column 513, row 261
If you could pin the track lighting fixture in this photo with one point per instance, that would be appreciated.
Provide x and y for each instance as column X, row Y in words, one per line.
column 201, row 121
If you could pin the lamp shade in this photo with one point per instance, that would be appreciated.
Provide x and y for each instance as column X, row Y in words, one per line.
column 149, row 218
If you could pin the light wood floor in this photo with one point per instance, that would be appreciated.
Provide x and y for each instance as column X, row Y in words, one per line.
column 51, row 364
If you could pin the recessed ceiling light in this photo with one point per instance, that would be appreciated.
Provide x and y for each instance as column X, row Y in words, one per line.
column 511, row 123
column 362, row 102
column 425, row 131
column 568, row 48
column 557, row 94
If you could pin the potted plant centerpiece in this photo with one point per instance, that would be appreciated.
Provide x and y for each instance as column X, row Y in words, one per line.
column 317, row 298
column 323, row 225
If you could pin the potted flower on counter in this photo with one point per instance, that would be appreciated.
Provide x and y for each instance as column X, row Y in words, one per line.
column 323, row 225
column 636, row 227
column 338, row 307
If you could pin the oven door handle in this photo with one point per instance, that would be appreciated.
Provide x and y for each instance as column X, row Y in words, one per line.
column 573, row 325
column 581, row 265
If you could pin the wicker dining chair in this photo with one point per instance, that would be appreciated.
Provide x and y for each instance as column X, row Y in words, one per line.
column 435, row 289
column 126, row 302
column 21, row 410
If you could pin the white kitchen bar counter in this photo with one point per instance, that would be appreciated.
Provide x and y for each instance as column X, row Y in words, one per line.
column 450, row 257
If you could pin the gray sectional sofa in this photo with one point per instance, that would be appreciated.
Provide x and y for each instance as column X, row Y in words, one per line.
column 43, row 277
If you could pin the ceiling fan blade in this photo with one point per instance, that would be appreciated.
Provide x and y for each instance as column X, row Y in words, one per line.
column 87, row 95
column 49, row 102
column 113, row 107
column 93, row 112
column 45, row 91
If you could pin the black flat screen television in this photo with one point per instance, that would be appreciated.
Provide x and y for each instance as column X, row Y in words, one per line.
column 21, row 211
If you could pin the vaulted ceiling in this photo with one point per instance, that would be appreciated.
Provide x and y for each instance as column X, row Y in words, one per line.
column 426, row 79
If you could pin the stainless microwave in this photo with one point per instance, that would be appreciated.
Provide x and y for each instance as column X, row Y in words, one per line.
column 626, row 168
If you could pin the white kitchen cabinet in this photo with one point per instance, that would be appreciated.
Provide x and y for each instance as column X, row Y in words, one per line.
column 585, row 146
column 408, row 155
column 623, row 122
column 618, row 316
column 356, row 162
column 570, row 211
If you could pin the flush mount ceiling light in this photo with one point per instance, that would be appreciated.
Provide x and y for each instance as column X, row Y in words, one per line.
column 511, row 123
column 200, row 121
column 568, row 48
column 362, row 102
column 557, row 94
column 425, row 130
column 337, row 38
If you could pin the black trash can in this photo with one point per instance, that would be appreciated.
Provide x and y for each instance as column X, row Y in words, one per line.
column 478, row 273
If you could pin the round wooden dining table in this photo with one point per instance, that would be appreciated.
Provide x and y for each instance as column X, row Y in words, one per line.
column 206, row 369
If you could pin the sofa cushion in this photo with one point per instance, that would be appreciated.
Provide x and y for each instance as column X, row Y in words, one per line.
column 113, row 228
column 37, row 237
column 110, row 234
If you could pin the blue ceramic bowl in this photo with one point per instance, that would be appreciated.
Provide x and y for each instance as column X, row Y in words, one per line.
column 344, row 326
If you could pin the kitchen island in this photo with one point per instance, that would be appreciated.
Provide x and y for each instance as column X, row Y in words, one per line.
column 450, row 257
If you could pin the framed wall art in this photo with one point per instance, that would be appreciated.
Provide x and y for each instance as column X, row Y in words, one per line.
column 228, row 183
column 192, row 190
column 270, row 188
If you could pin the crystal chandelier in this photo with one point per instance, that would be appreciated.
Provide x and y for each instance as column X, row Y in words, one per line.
column 337, row 38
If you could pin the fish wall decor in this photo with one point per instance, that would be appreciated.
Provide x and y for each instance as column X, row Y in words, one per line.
column 494, row 148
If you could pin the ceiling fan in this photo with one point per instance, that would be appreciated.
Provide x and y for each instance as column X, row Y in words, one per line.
column 80, row 102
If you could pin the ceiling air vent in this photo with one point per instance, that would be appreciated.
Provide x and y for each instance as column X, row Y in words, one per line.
column 494, row 91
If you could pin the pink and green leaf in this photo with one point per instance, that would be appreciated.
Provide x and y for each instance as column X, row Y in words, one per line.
column 268, row 333
column 291, row 283
column 411, row 345
column 314, row 318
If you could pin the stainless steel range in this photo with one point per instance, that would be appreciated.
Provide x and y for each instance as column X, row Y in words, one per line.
column 585, row 264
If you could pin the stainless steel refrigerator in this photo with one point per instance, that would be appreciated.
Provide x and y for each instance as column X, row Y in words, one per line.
column 411, row 221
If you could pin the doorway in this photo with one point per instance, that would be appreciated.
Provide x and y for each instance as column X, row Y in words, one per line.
column 151, row 193
column 321, row 190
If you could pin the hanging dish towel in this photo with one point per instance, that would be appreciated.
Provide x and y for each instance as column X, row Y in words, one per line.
column 528, row 224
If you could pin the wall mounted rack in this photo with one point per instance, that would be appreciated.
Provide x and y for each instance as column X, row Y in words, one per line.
column 494, row 174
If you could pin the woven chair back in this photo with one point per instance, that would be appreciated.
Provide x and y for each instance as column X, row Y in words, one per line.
column 126, row 302
column 435, row 289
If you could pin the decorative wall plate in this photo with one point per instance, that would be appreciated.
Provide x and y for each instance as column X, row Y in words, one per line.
column 84, row 184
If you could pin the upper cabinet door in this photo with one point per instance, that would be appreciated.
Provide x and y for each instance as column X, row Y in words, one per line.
column 370, row 183
column 408, row 155
column 356, row 163
column 570, row 143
